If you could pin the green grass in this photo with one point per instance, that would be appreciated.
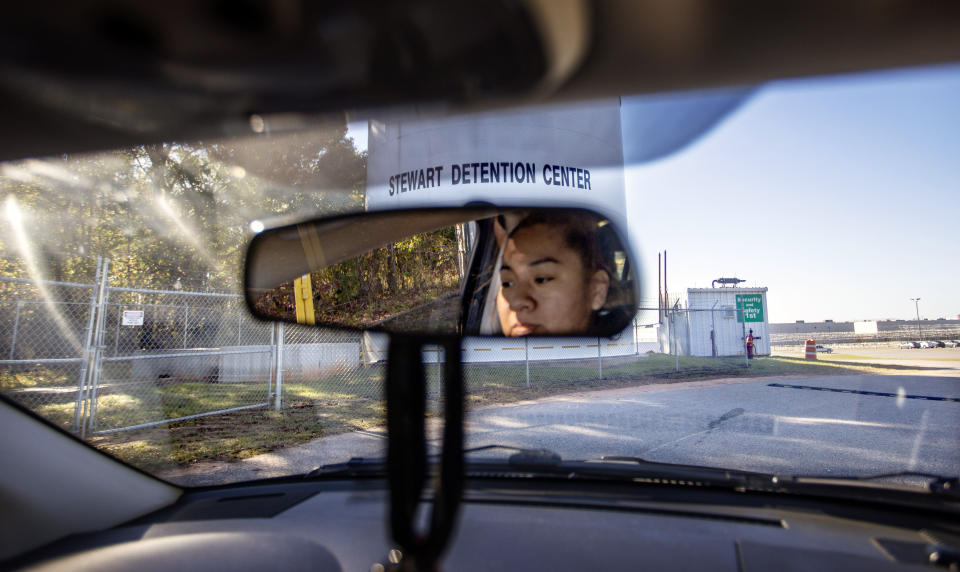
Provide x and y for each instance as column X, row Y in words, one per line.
column 483, row 390
column 309, row 412
column 665, row 367
column 350, row 401
column 10, row 381
column 146, row 402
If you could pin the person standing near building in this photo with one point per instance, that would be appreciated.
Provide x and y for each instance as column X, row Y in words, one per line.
column 750, row 341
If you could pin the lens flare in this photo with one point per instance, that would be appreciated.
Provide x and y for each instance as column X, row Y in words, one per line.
column 15, row 219
column 185, row 232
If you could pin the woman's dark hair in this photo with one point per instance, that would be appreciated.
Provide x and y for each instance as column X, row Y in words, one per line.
column 581, row 233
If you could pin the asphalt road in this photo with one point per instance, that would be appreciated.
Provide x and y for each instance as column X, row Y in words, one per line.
column 816, row 425
column 850, row 425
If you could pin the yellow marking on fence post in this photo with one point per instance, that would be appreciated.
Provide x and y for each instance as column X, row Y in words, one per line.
column 303, row 300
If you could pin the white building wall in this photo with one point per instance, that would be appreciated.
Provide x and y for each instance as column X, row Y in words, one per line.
column 497, row 349
column 674, row 333
column 300, row 361
column 716, row 309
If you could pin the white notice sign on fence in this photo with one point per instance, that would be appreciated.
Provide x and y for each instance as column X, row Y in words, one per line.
column 132, row 318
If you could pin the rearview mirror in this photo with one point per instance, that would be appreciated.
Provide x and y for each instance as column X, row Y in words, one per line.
column 447, row 271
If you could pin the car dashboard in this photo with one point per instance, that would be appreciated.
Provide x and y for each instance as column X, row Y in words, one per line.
column 517, row 524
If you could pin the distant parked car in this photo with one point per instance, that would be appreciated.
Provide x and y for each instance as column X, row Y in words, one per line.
column 824, row 349
column 909, row 345
column 926, row 344
column 938, row 344
column 953, row 344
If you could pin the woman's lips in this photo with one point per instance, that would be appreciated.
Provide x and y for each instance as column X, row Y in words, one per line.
column 520, row 329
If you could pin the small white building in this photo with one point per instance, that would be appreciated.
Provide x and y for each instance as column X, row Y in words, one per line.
column 719, row 319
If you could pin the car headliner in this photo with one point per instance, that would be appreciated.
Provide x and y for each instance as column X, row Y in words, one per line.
column 632, row 47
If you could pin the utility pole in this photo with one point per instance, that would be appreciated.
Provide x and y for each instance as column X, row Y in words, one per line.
column 659, row 291
column 916, row 304
column 666, row 291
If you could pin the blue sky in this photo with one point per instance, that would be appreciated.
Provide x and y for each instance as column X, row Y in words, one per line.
column 357, row 130
column 841, row 195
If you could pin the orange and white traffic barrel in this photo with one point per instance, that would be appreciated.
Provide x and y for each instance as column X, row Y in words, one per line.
column 811, row 351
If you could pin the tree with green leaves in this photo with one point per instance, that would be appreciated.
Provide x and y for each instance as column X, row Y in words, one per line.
column 171, row 213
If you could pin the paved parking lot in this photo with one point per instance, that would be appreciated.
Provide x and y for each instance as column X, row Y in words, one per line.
column 852, row 425
column 822, row 425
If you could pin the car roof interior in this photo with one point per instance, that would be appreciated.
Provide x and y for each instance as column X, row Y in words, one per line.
column 101, row 74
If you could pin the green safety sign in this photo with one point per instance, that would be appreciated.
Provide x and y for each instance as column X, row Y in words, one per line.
column 749, row 307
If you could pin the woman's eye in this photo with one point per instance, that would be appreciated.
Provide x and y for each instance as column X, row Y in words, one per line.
column 542, row 279
column 506, row 284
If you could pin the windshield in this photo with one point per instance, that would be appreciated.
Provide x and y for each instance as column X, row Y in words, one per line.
column 797, row 271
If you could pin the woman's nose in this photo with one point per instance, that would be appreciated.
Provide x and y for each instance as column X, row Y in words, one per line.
column 519, row 298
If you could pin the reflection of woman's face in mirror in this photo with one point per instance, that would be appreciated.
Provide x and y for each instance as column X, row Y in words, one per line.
column 545, row 286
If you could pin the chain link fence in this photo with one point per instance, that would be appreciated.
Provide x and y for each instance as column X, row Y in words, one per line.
column 176, row 355
column 99, row 359
column 42, row 339
column 888, row 333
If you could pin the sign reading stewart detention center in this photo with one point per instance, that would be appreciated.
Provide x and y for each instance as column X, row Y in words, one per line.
column 571, row 156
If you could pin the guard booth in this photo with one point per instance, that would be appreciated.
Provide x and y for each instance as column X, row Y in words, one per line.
column 720, row 318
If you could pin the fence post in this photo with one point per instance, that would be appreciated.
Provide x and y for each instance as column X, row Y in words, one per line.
column 116, row 337
column 363, row 350
column 98, row 346
column 272, row 361
column 636, row 335
column 526, row 357
column 599, row 358
column 16, row 324
column 673, row 339
column 278, row 384
column 186, row 324
column 441, row 358
column 80, row 409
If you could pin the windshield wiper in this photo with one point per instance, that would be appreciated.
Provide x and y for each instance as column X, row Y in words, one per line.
column 355, row 467
column 492, row 447
column 938, row 484
column 522, row 456
column 543, row 462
